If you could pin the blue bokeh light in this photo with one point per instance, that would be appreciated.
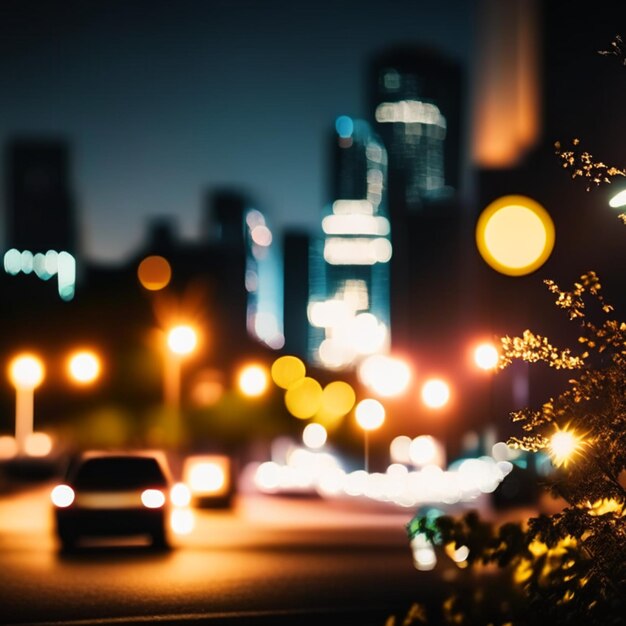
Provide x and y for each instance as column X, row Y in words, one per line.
column 344, row 126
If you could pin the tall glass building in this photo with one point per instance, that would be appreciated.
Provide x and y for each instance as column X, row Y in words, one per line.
column 349, row 306
column 243, row 234
column 416, row 105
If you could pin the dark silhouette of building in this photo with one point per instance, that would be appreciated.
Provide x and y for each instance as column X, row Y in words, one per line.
column 214, row 284
column 296, row 271
column 40, row 209
column 215, row 277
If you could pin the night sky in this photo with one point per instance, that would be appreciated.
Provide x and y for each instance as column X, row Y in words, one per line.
column 162, row 100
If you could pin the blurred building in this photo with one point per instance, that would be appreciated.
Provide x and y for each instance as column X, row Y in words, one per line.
column 349, row 308
column 40, row 211
column 40, row 222
column 537, row 82
column 228, row 276
column 415, row 98
column 297, row 251
column 224, row 282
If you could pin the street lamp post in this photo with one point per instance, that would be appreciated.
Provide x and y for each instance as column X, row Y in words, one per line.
column 486, row 358
column 181, row 341
column 26, row 372
column 370, row 415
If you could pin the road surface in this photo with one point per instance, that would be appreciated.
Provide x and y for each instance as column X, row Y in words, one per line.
column 268, row 560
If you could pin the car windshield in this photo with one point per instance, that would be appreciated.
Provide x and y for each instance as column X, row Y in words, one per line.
column 119, row 473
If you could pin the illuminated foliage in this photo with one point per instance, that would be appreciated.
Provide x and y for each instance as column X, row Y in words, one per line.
column 582, row 164
column 572, row 563
column 568, row 567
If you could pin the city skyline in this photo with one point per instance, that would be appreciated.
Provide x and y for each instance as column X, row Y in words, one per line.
column 149, row 134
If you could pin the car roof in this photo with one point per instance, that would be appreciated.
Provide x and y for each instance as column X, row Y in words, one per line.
column 83, row 457
column 90, row 454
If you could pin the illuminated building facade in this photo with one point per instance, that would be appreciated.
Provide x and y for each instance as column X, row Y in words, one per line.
column 243, row 235
column 349, row 308
column 416, row 105
column 41, row 234
column 415, row 100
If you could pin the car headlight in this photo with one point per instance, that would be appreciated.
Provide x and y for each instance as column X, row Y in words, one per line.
column 152, row 498
column 180, row 495
column 62, row 496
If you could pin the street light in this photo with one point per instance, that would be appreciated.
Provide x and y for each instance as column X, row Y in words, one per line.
column 83, row 367
column 486, row 356
column 564, row 444
column 26, row 373
column 181, row 341
column 384, row 375
column 370, row 415
column 253, row 380
column 435, row 393
column 618, row 200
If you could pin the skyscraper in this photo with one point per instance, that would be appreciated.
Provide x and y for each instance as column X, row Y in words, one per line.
column 349, row 310
column 243, row 235
column 415, row 102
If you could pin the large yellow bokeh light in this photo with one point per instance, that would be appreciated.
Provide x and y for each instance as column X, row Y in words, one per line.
column 287, row 370
column 515, row 235
column 338, row 398
column 304, row 398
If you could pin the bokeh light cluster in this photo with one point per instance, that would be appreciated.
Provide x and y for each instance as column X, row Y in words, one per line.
column 305, row 398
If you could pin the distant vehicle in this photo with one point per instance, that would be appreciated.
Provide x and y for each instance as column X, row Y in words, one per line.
column 210, row 479
column 109, row 494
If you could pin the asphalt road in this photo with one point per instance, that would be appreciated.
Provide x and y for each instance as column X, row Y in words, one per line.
column 268, row 560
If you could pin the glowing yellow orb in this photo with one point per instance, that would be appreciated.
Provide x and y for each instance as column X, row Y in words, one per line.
column 564, row 445
column 287, row 370
column 182, row 339
column 338, row 398
column 515, row 235
column 304, row 398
